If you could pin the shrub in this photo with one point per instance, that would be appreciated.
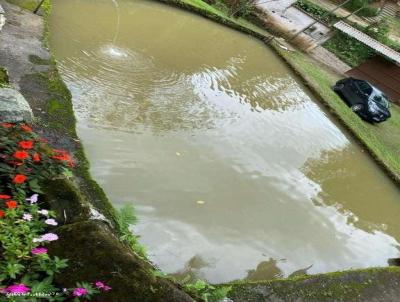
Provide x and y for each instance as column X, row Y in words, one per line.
column 354, row 52
column 316, row 11
column 207, row 292
column 240, row 8
column 367, row 11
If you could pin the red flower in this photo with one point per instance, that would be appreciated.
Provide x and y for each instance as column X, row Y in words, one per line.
column 11, row 204
column 5, row 196
column 7, row 125
column 26, row 144
column 21, row 155
column 26, row 128
column 2, row 214
column 63, row 156
column 36, row 157
column 19, row 179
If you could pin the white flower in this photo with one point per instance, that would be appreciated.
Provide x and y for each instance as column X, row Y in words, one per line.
column 43, row 212
column 33, row 199
column 50, row 221
column 27, row 217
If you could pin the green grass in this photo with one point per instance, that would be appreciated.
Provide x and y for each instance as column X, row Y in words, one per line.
column 224, row 14
column 395, row 26
column 381, row 140
column 27, row 4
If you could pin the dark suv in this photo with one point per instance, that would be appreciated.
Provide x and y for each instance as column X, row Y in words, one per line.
column 367, row 101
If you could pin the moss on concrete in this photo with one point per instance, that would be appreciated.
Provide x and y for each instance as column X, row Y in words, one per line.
column 3, row 77
column 131, row 278
column 38, row 60
column 63, row 197
column 26, row 4
column 377, row 284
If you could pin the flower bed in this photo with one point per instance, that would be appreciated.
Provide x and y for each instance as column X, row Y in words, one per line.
column 26, row 226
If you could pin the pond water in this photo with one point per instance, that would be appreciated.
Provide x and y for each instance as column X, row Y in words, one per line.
column 234, row 169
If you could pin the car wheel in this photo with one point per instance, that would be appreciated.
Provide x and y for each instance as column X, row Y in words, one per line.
column 357, row 107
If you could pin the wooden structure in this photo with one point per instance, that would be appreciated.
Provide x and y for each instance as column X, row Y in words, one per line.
column 381, row 73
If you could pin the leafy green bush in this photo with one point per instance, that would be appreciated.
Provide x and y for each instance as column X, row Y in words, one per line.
column 316, row 11
column 353, row 52
column 125, row 218
column 207, row 292
column 239, row 8
column 367, row 11
column 348, row 49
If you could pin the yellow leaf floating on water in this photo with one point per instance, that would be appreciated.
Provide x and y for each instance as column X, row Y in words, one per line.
column 201, row 202
column 178, row 154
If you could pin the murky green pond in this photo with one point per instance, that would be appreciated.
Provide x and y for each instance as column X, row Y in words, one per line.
column 233, row 167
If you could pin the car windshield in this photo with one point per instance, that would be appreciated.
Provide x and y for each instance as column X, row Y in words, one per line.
column 379, row 98
column 365, row 87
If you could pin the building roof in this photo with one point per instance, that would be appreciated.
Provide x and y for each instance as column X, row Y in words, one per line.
column 369, row 41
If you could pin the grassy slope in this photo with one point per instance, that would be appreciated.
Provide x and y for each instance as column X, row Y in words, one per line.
column 240, row 21
column 27, row 4
column 381, row 140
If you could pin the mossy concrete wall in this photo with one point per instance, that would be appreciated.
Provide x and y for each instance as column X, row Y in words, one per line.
column 381, row 285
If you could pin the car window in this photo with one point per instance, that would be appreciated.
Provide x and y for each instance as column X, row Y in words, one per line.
column 364, row 87
column 382, row 100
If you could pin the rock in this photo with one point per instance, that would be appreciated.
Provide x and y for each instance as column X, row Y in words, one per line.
column 14, row 107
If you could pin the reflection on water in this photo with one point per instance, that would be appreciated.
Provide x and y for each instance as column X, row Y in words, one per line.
column 177, row 109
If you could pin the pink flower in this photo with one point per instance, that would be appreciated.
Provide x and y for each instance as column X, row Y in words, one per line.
column 80, row 291
column 17, row 289
column 101, row 285
column 39, row 250
column 46, row 237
